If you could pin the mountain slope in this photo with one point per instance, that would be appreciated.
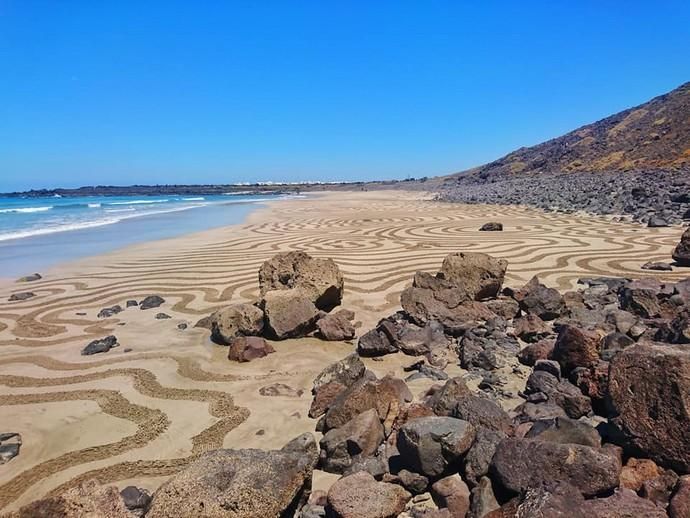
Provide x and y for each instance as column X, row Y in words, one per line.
column 654, row 135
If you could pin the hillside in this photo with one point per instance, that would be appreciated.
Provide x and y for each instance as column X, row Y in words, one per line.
column 654, row 135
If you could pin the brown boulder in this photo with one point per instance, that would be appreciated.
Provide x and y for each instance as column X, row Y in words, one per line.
column 280, row 390
column 521, row 464
column 337, row 326
column 636, row 472
column 649, row 389
column 361, row 496
column 479, row 274
column 248, row 348
column 532, row 353
column 319, row 280
column 444, row 400
column 576, row 347
column 289, row 314
column 681, row 254
column 234, row 321
column 239, row 483
column 640, row 301
column 531, row 328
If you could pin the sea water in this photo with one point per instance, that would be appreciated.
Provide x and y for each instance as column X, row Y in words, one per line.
column 36, row 233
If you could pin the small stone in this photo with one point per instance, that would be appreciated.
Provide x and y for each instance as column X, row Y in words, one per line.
column 102, row 345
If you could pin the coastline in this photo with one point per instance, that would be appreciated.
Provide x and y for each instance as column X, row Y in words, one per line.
column 59, row 401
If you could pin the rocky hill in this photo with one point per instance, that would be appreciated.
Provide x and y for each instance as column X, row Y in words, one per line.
column 654, row 135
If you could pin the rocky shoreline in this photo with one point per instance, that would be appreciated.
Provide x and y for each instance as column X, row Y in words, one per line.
column 651, row 197
column 603, row 429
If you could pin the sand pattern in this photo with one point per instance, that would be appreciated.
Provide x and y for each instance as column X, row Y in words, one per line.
column 175, row 395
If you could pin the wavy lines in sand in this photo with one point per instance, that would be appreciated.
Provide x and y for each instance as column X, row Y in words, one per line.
column 378, row 239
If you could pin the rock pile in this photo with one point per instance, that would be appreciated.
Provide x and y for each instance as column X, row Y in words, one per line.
column 297, row 291
column 604, row 429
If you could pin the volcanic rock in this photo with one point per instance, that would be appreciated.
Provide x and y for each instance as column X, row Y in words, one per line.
column 361, row 496
column 102, row 345
column 289, row 314
column 248, row 348
column 648, row 386
column 491, row 227
column 235, row 321
column 25, row 295
column 243, row 483
column 359, row 437
column 479, row 274
column 681, row 254
column 337, row 326
column 150, row 302
column 536, row 299
column 318, row 280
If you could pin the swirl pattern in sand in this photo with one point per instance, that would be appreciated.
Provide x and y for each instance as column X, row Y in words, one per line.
column 141, row 415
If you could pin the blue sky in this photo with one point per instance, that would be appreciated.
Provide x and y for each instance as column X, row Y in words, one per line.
column 192, row 92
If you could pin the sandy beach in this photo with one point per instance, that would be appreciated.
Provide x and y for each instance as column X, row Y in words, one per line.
column 139, row 416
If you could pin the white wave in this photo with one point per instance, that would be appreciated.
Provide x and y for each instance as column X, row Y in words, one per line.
column 130, row 209
column 94, row 205
column 199, row 198
column 86, row 224
column 136, row 202
column 26, row 209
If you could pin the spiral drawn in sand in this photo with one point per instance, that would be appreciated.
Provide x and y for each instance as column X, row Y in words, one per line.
column 175, row 395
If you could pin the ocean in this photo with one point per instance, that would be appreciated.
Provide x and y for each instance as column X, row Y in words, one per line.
column 36, row 233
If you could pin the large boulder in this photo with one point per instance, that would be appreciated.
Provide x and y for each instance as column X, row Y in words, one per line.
column 358, row 438
column 319, row 280
column 681, row 254
column 289, row 314
column 361, row 496
column 428, row 445
column 521, row 464
column 537, row 299
column 240, row 483
column 559, row 392
column 395, row 333
column 235, row 321
column 452, row 493
column 437, row 299
column 649, row 389
column 479, row 274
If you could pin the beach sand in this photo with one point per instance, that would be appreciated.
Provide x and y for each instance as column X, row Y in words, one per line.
column 139, row 416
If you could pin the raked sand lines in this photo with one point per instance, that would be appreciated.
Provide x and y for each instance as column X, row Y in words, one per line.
column 178, row 391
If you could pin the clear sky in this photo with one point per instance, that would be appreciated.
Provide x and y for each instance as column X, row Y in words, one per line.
column 122, row 92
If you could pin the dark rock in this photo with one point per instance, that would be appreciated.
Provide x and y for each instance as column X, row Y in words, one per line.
column 332, row 381
column 658, row 266
column 30, row 278
column 482, row 498
column 182, row 326
column 681, row 254
column 481, row 412
column 531, row 328
column 318, row 280
column 337, row 326
column 152, row 301
column 478, row 458
column 248, row 348
column 504, row 307
column 444, row 400
column 521, row 464
column 679, row 507
column 359, row 437
column 550, row 366
column 102, row 345
column 10, row 444
column 428, row 445
column 576, row 348
column 561, row 393
column 413, row 482
column 491, row 227
column 25, row 295
column 640, row 301
column 555, row 499
column 248, row 482
column 162, row 316
column 130, row 304
column 536, row 299
column 648, row 387
column 532, row 353
column 659, row 489
column 135, row 498
column 565, row 431
column 656, row 222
